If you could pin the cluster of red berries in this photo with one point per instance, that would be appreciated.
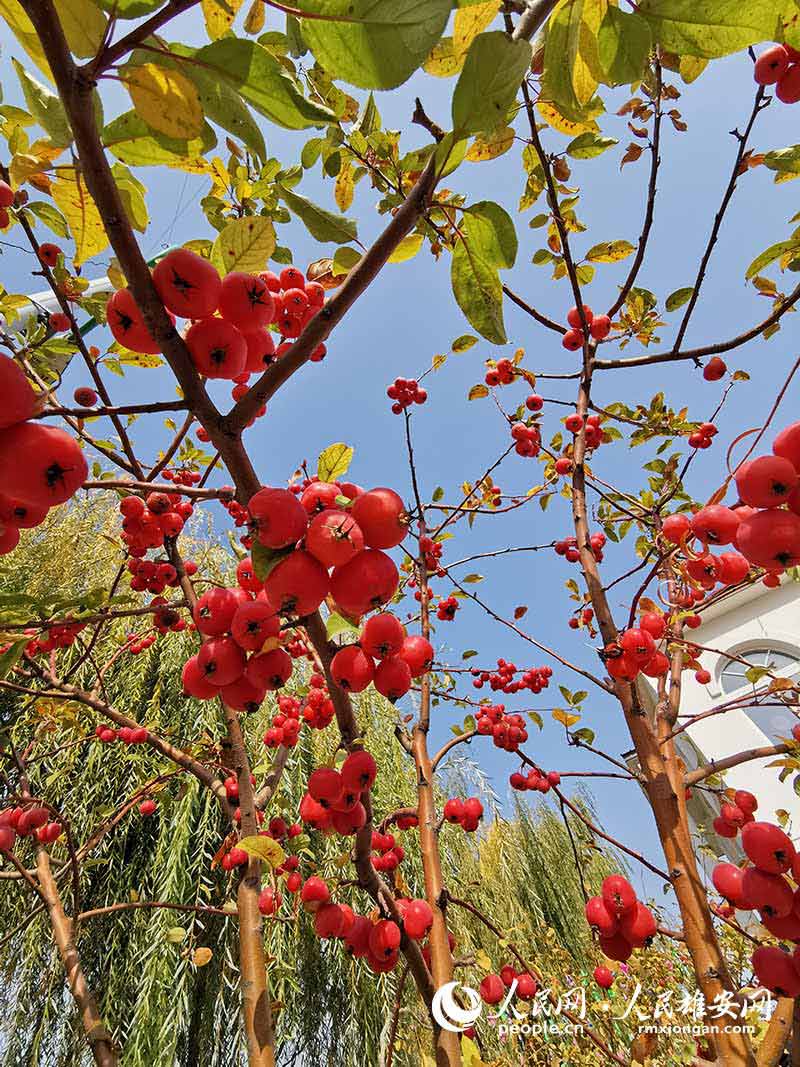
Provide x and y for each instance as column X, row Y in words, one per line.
column 137, row 644
column 534, row 781
column 377, row 942
column 703, row 435
column 54, row 466
column 527, row 439
column 145, row 523
column 733, row 816
column 58, row 635
column 348, row 534
column 765, row 528
column 534, row 678
column 583, row 618
column 568, row 548
column 467, row 813
column 599, row 328
column 405, row 392
column 622, row 922
column 333, row 800
column 285, row 726
column 446, row 609
column 29, row 821
column 151, row 576
column 595, row 435
column 763, row 887
column 166, row 619
column 128, row 735
column 507, row 731
column 387, row 855
column 183, row 476
column 493, row 988
column 635, row 651
column 779, row 65
column 432, row 552
column 503, row 373
column 231, row 316
column 401, row 658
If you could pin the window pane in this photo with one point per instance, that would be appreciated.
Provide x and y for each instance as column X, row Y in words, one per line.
column 734, row 675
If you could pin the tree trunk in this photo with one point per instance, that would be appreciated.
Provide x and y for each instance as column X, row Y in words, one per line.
column 103, row 1050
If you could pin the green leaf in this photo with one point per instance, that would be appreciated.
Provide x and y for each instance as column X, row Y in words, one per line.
column 266, row 559
column 336, row 624
column 623, row 44
column 130, row 9
column 407, row 249
column 49, row 215
column 263, row 848
column 571, row 63
column 610, row 251
column 679, row 298
column 334, row 461
column 45, row 107
column 223, row 105
column 489, row 81
column 769, row 255
column 132, row 193
column 263, row 81
column 478, row 292
column 712, row 28
column 11, row 657
column 245, row 244
column 464, row 342
column 378, row 44
column 133, row 142
column 84, row 26
column 587, row 145
column 471, row 579
column 784, row 160
column 490, row 232
column 344, row 259
column 321, row 224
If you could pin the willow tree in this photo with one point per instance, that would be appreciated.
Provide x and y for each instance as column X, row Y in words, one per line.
column 536, row 79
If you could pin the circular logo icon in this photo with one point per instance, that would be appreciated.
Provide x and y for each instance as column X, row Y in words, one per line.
column 449, row 1014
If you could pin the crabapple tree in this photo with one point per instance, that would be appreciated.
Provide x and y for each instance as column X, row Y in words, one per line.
column 337, row 593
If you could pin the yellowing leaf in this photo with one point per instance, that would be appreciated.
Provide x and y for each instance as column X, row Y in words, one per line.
column 483, row 961
column 477, row 392
column 202, row 956
column 219, row 16
column 22, row 28
column 263, row 848
column 407, row 248
column 554, row 118
column 72, row 197
column 334, row 461
column 255, row 18
column 345, row 185
column 610, row 251
column 165, row 99
column 469, row 22
column 490, row 147
column 84, row 26
column 564, row 717
column 443, row 61
column 245, row 244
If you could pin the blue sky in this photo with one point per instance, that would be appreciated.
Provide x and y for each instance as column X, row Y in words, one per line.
column 409, row 314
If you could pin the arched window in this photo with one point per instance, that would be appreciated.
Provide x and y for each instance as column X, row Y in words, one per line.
column 774, row 722
column 734, row 675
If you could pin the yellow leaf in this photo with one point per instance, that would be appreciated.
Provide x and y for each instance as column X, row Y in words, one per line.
column 166, row 100
column 263, row 848
column 469, row 22
column 201, row 956
column 586, row 69
column 86, row 226
column 492, row 146
column 483, row 961
column 443, row 60
column 255, row 18
column 610, row 251
column 24, row 165
column 84, row 26
column 407, row 248
column 219, row 16
column 564, row 717
column 22, row 28
column 554, row 118
column 245, row 244
column 344, row 187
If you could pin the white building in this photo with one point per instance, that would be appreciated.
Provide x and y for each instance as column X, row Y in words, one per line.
column 762, row 626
